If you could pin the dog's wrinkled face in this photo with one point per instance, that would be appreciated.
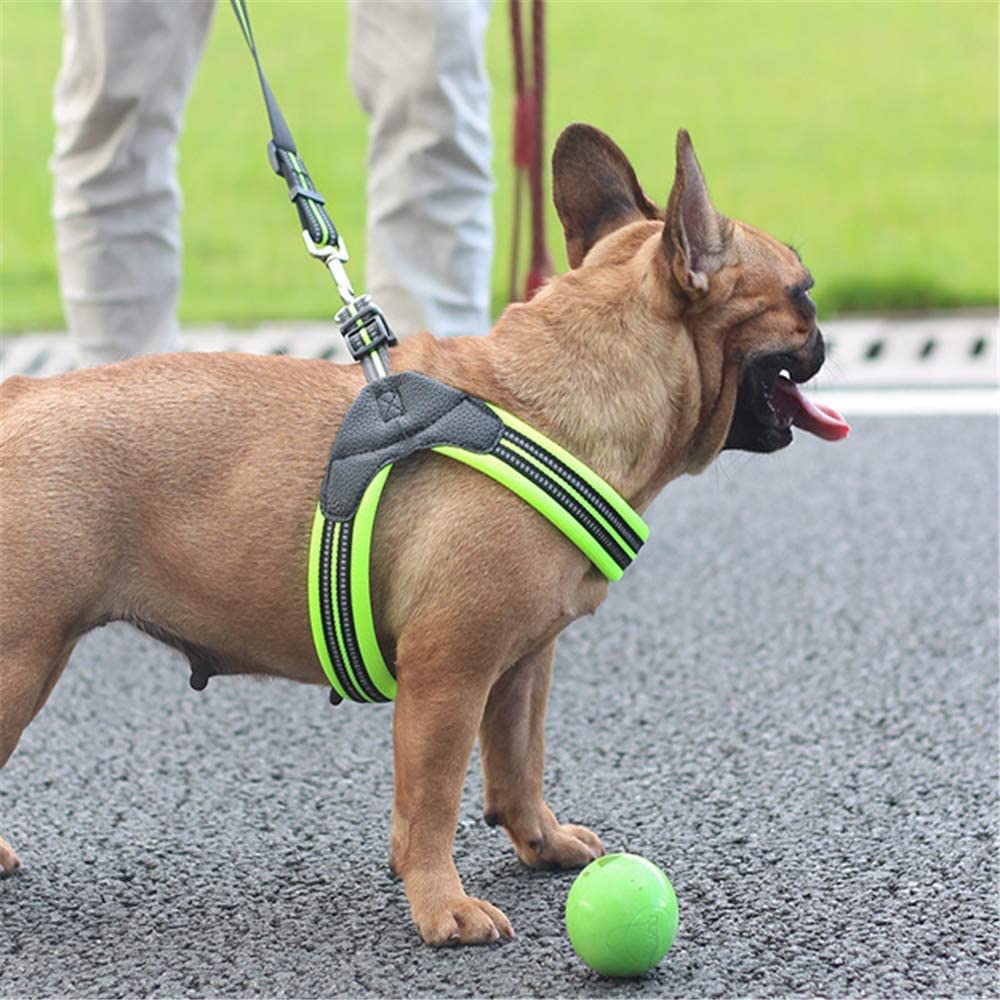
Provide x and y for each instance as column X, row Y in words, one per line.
column 740, row 294
column 780, row 347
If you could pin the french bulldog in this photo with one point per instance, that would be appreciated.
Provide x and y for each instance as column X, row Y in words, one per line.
column 176, row 493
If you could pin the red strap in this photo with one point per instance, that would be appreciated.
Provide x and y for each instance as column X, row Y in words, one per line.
column 541, row 266
column 522, row 104
column 529, row 145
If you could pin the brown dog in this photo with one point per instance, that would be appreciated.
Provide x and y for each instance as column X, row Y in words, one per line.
column 177, row 493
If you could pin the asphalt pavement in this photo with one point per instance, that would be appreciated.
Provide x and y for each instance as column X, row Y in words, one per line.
column 789, row 703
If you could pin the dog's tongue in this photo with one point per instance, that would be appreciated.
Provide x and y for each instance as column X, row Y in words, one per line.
column 823, row 421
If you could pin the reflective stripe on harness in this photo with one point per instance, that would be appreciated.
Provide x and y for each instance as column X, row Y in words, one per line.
column 585, row 508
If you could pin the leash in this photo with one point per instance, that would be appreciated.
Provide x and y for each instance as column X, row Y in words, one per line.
column 528, row 148
column 361, row 322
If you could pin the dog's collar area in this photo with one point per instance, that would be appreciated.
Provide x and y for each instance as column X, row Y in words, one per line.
column 394, row 417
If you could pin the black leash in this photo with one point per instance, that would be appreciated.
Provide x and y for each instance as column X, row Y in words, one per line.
column 361, row 322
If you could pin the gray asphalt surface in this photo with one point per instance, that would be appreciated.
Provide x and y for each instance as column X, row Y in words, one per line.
column 790, row 703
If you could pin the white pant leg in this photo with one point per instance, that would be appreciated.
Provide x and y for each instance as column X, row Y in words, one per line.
column 126, row 72
column 418, row 68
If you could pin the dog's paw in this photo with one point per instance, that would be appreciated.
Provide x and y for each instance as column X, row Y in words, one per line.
column 461, row 920
column 561, row 845
column 9, row 861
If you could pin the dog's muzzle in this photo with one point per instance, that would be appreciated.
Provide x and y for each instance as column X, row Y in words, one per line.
column 769, row 402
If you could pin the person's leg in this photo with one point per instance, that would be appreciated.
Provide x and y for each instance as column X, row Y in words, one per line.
column 418, row 69
column 126, row 72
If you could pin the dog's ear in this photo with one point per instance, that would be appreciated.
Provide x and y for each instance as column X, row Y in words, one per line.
column 595, row 189
column 695, row 236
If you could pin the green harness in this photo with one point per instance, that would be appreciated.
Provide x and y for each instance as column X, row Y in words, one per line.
column 585, row 508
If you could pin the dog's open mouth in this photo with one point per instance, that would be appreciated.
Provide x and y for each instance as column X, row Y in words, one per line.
column 770, row 403
column 793, row 408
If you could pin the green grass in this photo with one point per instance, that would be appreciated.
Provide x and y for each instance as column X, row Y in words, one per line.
column 864, row 133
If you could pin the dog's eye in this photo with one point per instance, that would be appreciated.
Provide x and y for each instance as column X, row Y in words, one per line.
column 802, row 301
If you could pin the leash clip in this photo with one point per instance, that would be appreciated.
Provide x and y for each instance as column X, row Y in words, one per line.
column 333, row 255
column 361, row 322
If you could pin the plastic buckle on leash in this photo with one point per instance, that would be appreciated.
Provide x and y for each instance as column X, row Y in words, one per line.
column 364, row 327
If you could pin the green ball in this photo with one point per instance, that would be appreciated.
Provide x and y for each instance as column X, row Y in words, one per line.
column 621, row 915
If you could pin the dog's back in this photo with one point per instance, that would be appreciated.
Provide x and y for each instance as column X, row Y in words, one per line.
column 133, row 492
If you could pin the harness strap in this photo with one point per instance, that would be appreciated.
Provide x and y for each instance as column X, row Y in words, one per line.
column 578, row 502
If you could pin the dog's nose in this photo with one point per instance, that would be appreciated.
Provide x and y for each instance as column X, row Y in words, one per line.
column 809, row 359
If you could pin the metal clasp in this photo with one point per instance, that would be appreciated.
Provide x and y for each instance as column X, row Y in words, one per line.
column 333, row 256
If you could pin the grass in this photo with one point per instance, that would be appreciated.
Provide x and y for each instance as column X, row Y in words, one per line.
column 864, row 133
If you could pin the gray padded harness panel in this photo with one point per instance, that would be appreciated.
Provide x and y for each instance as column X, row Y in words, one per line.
column 391, row 419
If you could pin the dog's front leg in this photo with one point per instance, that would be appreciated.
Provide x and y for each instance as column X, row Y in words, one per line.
column 438, row 709
column 512, row 742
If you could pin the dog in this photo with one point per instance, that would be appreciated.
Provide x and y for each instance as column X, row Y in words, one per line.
column 176, row 493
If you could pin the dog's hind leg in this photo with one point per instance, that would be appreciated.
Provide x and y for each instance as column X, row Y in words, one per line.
column 512, row 742
column 60, row 542
column 29, row 674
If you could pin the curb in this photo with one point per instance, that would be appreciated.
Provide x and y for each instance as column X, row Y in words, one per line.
column 947, row 362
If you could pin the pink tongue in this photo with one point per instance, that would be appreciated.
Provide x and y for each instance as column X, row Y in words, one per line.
column 823, row 421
